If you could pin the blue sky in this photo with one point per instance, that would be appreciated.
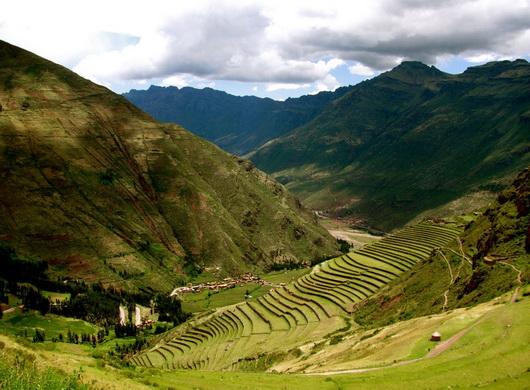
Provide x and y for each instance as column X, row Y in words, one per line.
column 272, row 48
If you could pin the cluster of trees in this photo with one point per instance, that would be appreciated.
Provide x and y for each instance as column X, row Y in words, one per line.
column 287, row 265
column 170, row 309
column 18, row 268
column 33, row 299
column 127, row 349
column 24, row 277
column 71, row 337
column 125, row 330
column 344, row 246
column 39, row 336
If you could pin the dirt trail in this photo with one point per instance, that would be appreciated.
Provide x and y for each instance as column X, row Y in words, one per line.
column 519, row 280
column 439, row 349
column 446, row 293
column 445, row 345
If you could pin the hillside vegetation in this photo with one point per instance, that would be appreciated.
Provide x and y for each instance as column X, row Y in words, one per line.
column 102, row 192
column 238, row 124
column 407, row 141
column 491, row 257
column 315, row 306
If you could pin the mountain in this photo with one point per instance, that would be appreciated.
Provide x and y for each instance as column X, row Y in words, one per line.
column 102, row 192
column 407, row 141
column 491, row 257
column 238, row 124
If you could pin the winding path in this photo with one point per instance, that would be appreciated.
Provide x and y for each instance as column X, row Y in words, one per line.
column 519, row 280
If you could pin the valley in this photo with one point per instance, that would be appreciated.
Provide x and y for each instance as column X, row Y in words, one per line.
column 372, row 236
column 345, row 230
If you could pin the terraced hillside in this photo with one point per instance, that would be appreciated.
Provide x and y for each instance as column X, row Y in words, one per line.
column 306, row 310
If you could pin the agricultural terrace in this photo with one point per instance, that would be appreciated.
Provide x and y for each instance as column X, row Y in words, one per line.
column 311, row 307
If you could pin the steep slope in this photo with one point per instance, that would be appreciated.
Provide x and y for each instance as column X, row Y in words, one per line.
column 407, row 141
column 103, row 192
column 238, row 124
column 491, row 257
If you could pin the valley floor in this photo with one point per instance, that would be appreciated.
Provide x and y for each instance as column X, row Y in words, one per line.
column 342, row 230
column 492, row 351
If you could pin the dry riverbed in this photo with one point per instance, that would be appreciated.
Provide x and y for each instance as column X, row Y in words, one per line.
column 341, row 229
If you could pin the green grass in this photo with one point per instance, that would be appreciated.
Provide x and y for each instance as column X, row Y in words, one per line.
column 335, row 291
column 55, row 295
column 18, row 371
column 197, row 302
column 493, row 354
column 17, row 322
column 289, row 276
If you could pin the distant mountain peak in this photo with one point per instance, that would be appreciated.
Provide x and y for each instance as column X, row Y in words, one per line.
column 494, row 68
column 414, row 72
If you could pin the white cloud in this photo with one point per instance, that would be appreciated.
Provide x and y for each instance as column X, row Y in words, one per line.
column 261, row 41
column 184, row 80
column 480, row 58
column 278, row 86
column 329, row 83
column 361, row 70
column 175, row 81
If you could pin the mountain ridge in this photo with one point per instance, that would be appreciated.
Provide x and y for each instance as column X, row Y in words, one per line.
column 393, row 147
column 103, row 192
column 238, row 124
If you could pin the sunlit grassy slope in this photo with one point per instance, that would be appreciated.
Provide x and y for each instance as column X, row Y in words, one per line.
column 313, row 306
column 494, row 353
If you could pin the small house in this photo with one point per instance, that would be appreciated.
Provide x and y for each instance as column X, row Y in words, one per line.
column 436, row 336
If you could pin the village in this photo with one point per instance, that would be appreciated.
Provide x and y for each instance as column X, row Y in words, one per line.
column 224, row 284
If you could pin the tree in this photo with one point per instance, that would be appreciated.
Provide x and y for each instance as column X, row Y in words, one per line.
column 39, row 336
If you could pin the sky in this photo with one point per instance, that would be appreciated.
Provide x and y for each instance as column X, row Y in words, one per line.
column 267, row 48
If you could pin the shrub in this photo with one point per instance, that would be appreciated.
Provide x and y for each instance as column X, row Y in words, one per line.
column 39, row 336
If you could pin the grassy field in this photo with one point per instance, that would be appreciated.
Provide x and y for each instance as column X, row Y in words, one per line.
column 19, row 372
column 24, row 325
column 494, row 354
column 207, row 300
column 55, row 295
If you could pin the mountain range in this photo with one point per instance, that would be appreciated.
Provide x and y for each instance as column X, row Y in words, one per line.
column 102, row 192
column 238, row 124
column 384, row 151
column 409, row 140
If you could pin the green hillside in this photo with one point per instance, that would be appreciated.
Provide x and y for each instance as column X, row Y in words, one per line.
column 238, row 124
column 491, row 257
column 317, row 305
column 102, row 192
column 407, row 141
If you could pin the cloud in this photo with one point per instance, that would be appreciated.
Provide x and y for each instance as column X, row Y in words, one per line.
column 278, row 43
column 361, row 70
column 184, row 80
column 175, row 81
column 278, row 86
column 329, row 83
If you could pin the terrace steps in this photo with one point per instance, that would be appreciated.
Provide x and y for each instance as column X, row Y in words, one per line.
column 306, row 309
